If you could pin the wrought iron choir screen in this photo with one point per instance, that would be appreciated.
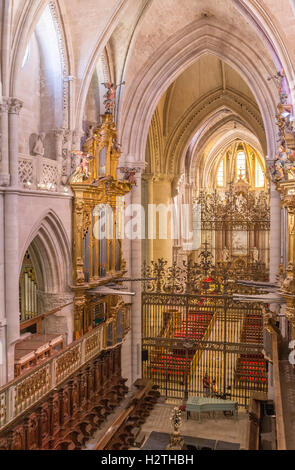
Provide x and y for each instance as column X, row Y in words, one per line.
column 194, row 333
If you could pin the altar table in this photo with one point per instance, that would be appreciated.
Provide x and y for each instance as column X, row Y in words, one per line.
column 200, row 404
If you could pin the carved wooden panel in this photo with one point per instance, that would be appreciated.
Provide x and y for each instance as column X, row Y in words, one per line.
column 4, row 445
column 45, row 425
column 65, row 405
column 55, row 414
column 71, row 414
column 18, row 438
column 75, row 397
column 33, row 432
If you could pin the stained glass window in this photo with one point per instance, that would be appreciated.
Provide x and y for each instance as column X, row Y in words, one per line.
column 259, row 179
column 241, row 164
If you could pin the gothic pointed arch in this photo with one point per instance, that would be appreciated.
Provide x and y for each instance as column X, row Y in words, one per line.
column 202, row 112
column 50, row 251
column 156, row 145
column 184, row 48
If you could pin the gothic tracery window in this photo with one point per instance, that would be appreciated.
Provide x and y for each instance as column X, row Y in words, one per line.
column 241, row 164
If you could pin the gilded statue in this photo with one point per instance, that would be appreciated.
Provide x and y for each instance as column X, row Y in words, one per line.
column 255, row 254
column 82, row 172
column 284, row 162
column 288, row 284
column 110, row 96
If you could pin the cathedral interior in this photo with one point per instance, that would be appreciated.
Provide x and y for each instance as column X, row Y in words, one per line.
column 147, row 225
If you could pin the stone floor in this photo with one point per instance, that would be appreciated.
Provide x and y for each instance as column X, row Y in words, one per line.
column 219, row 428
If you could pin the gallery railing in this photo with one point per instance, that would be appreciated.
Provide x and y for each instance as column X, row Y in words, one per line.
column 25, row 391
column 38, row 173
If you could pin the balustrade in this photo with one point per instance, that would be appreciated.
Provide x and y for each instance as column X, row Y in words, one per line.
column 38, row 173
column 24, row 392
column 69, row 414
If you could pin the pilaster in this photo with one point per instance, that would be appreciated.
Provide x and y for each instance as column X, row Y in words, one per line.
column 4, row 152
column 134, row 248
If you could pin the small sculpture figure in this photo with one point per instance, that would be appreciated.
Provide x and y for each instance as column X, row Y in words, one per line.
column 255, row 254
column 82, row 166
column 116, row 145
column 288, row 284
column 110, row 96
column 283, row 163
column 38, row 149
column 129, row 175
column 89, row 133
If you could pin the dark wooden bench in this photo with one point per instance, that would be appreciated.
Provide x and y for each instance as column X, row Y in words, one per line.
column 121, row 434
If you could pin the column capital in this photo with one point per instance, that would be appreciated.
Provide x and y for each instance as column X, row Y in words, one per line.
column 4, row 179
column 163, row 177
column 147, row 176
column 14, row 105
column 3, row 104
column 288, row 201
column 58, row 132
column 130, row 162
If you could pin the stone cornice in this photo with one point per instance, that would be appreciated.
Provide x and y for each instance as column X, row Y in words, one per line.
column 34, row 193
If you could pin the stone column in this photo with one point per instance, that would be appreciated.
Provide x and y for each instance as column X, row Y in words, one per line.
column 135, row 272
column 11, row 236
column 66, row 154
column 58, row 137
column 14, row 107
column 4, row 154
column 148, row 178
column 58, row 134
column 3, row 361
column 189, row 204
column 275, row 233
column 274, row 258
column 162, row 195
column 72, row 141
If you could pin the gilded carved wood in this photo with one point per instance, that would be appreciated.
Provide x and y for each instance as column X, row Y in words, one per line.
column 97, row 255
